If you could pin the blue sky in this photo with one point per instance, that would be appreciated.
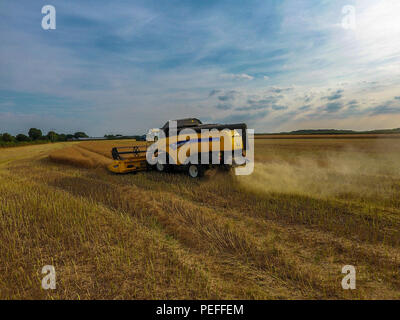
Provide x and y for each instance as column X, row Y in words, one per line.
column 126, row 66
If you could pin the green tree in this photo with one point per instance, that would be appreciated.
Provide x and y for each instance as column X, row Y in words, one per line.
column 52, row 136
column 80, row 135
column 35, row 134
column 22, row 137
column 7, row 137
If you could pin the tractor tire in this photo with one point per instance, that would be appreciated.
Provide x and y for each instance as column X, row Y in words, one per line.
column 196, row 170
column 163, row 167
column 160, row 167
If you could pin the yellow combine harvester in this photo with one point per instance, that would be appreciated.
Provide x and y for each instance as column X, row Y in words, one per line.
column 222, row 140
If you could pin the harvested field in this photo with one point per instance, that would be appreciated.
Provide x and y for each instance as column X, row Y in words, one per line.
column 285, row 232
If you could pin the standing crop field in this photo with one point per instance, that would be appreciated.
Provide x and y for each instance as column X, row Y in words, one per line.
column 311, row 207
column 89, row 154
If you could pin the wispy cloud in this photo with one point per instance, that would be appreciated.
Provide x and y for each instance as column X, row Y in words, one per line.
column 223, row 106
column 127, row 66
column 333, row 106
column 335, row 95
column 229, row 95
column 239, row 76
column 389, row 107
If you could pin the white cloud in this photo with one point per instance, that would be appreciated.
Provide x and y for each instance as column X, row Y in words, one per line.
column 238, row 76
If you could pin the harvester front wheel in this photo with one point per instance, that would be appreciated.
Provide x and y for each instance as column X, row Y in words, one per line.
column 196, row 170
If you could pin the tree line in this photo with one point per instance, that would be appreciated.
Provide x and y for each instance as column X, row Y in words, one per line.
column 36, row 135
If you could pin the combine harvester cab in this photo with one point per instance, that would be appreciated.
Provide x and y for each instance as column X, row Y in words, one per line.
column 223, row 140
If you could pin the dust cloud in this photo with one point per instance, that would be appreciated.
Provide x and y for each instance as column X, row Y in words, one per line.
column 371, row 171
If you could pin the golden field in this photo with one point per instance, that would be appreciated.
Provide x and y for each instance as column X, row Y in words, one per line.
column 285, row 232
